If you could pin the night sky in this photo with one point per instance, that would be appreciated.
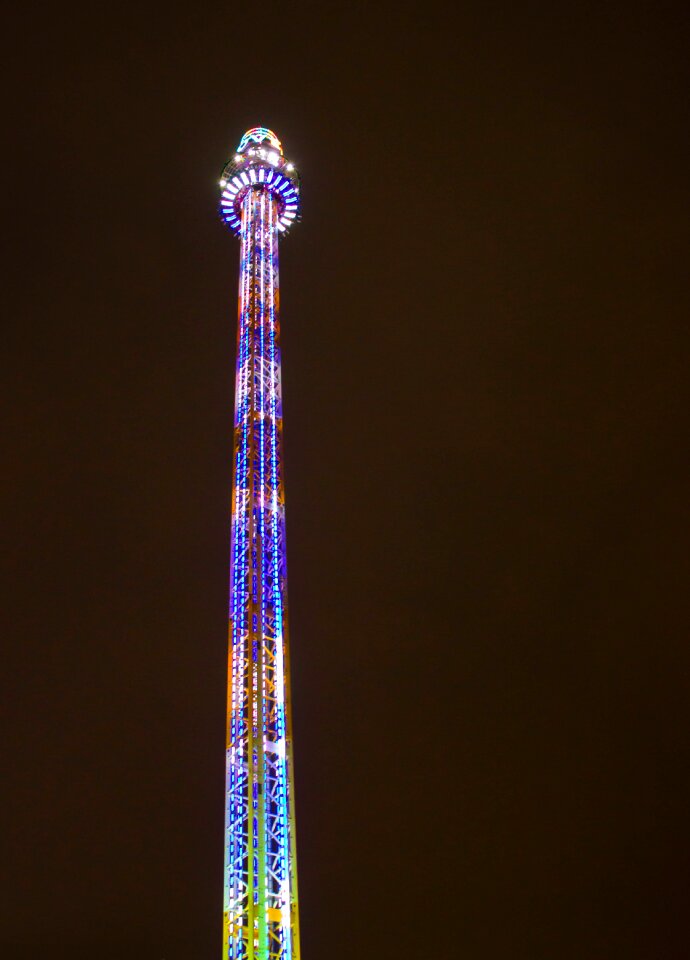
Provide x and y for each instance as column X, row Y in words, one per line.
column 484, row 321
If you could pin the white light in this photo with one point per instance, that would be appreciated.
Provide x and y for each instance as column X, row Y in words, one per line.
column 245, row 178
column 237, row 182
column 252, row 174
column 223, row 182
column 238, row 157
column 291, row 166
column 274, row 159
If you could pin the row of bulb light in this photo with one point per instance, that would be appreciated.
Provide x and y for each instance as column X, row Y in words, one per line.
column 280, row 184
column 271, row 155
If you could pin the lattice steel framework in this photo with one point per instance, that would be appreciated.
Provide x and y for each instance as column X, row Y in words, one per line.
column 260, row 192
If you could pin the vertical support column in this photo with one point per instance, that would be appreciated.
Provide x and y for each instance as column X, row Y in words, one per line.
column 260, row 871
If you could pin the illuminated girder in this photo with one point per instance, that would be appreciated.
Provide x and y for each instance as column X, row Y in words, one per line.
column 261, row 919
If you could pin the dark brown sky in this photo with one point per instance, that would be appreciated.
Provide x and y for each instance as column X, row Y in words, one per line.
column 484, row 333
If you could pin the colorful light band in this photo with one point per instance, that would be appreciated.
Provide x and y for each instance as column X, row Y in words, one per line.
column 259, row 135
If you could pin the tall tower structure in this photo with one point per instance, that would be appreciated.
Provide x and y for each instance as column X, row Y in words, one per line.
column 259, row 202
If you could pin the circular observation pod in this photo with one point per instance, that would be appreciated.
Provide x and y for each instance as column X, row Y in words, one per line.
column 259, row 164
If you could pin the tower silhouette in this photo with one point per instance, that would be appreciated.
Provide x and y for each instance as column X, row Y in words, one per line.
column 259, row 201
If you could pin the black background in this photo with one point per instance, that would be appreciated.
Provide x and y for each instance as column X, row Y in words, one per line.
column 483, row 332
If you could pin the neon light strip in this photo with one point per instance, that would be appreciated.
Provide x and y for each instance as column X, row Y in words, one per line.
column 279, row 639
column 237, row 732
column 259, row 135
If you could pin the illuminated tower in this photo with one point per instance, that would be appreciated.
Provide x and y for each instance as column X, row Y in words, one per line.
column 260, row 198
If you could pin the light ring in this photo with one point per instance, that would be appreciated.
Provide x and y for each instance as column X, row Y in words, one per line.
column 259, row 176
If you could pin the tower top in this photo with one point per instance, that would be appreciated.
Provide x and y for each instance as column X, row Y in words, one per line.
column 259, row 164
column 259, row 135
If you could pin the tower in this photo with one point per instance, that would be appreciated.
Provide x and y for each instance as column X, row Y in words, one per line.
column 259, row 201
